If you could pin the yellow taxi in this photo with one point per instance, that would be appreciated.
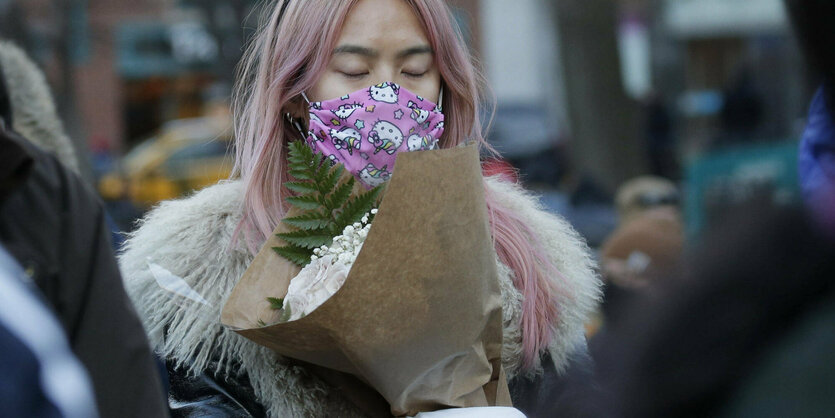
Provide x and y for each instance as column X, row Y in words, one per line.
column 186, row 155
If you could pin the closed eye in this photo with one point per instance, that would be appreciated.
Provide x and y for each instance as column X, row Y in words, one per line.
column 353, row 76
column 414, row 75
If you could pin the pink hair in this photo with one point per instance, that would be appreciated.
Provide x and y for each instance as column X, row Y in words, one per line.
column 286, row 59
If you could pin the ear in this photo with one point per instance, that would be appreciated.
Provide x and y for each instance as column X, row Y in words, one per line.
column 297, row 108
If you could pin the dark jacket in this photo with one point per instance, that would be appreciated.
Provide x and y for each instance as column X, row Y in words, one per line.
column 548, row 394
column 53, row 225
column 36, row 352
column 742, row 333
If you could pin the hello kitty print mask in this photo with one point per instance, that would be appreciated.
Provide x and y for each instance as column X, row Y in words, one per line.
column 366, row 129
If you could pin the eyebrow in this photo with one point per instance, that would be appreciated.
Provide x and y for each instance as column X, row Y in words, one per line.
column 373, row 53
column 356, row 49
column 416, row 50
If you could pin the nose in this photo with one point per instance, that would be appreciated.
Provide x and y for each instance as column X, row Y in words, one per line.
column 385, row 73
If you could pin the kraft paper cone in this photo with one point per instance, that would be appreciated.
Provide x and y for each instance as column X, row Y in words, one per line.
column 419, row 318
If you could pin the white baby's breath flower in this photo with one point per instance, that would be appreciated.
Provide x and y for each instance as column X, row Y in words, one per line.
column 325, row 274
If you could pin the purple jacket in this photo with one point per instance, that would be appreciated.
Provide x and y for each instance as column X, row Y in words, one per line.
column 817, row 162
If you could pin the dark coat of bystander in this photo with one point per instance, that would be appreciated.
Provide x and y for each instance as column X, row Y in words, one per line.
column 53, row 225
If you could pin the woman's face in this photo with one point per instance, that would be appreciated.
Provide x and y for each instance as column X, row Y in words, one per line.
column 382, row 40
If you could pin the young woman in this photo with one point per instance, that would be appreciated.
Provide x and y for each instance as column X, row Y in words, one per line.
column 305, row 54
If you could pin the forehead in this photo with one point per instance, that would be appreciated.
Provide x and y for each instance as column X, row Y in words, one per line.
column 383, row 25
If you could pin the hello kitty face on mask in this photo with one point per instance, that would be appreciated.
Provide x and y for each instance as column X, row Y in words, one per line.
column 345, row 111
column 418, row 114
column 346, row 138
column 385, row 136
column 374, row 176
column 384, row 92
column 421, row 143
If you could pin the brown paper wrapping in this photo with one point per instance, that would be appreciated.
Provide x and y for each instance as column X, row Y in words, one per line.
column 419, row 318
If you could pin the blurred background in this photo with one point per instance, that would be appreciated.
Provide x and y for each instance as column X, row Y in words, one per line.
column 709, row 94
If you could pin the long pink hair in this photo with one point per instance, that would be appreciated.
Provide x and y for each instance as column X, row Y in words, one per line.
column 285, row 59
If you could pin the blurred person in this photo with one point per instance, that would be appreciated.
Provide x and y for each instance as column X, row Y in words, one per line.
column 324, row 50
column 817, row 162
column 647, row 243
column 813, row 20
column 53, row 225
column 35, row 116
column 747, row 329
column 39, row 375
column 639, row 195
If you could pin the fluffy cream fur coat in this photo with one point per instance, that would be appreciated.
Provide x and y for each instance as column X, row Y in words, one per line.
column 191, row 238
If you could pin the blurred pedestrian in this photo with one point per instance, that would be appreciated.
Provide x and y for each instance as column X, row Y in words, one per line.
column 39, row 375
column 53, row 225
column 748, row 329
column 813, row 20
column 647, row 244
column 35, row 116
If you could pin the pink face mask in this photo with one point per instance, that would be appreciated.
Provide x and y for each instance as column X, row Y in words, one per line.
column 365, row 130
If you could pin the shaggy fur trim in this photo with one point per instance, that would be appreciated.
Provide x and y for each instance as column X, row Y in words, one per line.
column 33, row 109
column 190, row 237
column 512, row 321
column 581, row 286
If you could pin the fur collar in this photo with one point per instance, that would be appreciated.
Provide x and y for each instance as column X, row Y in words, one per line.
column 190, row 238
column 33, row 110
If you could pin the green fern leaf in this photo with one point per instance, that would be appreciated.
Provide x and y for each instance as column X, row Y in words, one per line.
column 285, row 316
column 340, row 169
column 295, row 254
column 321, row 170
column 341, row 194
column 326, row 204
column 301, row 187
column 305, row 202
column 300, row 163
column 296, row 155
column 309, row 221
column 301, row 149
column 358, row 206
column 308, row 239
column 301, row 174
column 331, row 179
column 276, row 303
column 294, row 159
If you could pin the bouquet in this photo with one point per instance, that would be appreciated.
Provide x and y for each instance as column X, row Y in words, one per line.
column 412, row 323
